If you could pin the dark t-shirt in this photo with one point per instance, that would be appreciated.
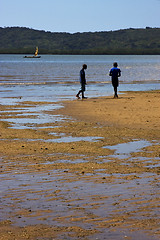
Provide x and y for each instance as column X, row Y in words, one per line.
column 82, row 77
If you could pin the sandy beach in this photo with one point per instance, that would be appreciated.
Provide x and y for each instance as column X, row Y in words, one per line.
column 93, row 175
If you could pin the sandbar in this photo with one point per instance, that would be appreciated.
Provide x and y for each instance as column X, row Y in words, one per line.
column 82, row 189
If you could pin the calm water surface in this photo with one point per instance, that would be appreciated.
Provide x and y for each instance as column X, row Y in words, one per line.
column 56, row 77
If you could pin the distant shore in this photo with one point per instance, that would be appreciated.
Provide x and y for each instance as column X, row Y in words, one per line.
column 134, row 41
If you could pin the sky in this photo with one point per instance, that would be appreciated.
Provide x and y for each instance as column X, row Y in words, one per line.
column 80, row 15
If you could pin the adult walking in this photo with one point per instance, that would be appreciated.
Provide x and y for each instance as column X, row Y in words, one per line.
column 115, row 73
column 82, row 82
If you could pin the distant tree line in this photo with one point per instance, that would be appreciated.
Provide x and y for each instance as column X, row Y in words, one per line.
column 20, row 40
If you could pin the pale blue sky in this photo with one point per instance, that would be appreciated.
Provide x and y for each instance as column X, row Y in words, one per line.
column 80, row 15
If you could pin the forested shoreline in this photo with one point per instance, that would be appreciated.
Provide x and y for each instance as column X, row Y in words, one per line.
column 20, row 40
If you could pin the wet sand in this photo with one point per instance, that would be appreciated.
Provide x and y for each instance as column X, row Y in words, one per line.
column 83, row 188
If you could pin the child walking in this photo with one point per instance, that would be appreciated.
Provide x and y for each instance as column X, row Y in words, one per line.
column 82, row 82
column 115, row 73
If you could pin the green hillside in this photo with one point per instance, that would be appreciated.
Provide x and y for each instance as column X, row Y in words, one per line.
column 128, row 41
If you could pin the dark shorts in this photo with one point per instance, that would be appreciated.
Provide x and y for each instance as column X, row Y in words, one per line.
column 83, row 87
column 115, row 82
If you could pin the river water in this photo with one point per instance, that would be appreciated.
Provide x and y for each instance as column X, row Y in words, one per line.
column 56, row 77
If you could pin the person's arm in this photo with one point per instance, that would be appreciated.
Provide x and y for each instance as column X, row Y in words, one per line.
column 119, row 73
column 85, row 82
column 110, row 72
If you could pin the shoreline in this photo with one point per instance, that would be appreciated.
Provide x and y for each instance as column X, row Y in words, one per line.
column 83, row 189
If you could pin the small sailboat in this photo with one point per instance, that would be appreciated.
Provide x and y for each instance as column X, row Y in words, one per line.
column 35, row 54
